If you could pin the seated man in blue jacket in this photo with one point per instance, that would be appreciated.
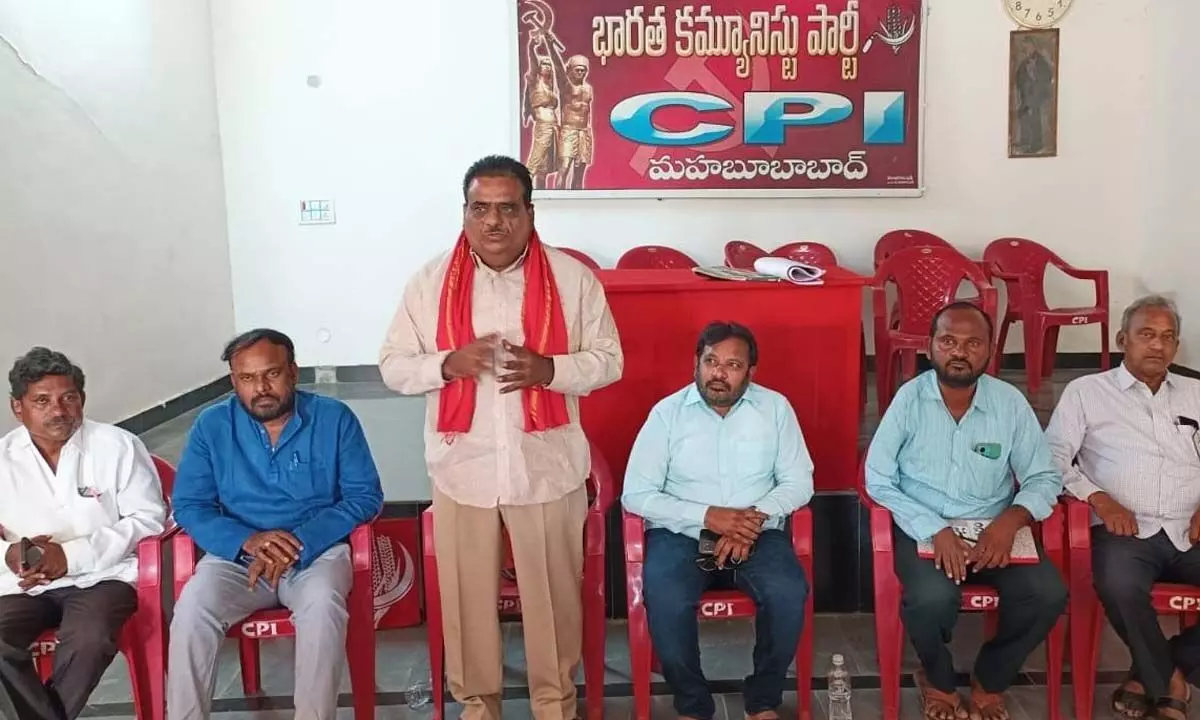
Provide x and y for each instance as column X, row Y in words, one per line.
column 270, row 486
column 716, row 471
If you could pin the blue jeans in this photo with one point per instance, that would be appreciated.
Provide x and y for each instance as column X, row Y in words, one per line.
column 673, row 584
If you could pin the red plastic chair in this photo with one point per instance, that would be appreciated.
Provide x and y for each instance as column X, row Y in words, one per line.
column 655, row 257
column 268, row 624
column 809, row 253
column 741, row 254
column 889, row 628
column 581, row 256
column 601, row 489
column 1022, row 265
column 732, row 603
column 1087, row 615
column 927, row 279
column 143, row 640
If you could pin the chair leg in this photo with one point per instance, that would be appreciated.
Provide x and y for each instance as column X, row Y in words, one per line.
column 251, row 680
column 137, row 683
column 1002, row 338
column 1034, row 333
column 883, row 376
column 154, row 655
column 889, row 636
column 1105, row 360
column 594, row 630
column 1085, row 643
column 437, row 651
column 1054, row 663
column 360, row 653
column 640, row 647
column 804, row 662
column 1050, row 351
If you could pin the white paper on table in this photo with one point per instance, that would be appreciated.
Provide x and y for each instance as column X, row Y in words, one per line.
column 796, row 272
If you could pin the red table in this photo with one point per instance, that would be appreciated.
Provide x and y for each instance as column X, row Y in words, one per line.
column 809, row 342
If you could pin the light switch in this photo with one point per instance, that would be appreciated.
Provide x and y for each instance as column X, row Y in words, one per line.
column 317, row 212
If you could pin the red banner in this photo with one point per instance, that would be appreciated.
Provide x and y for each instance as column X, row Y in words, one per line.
column 792, row 96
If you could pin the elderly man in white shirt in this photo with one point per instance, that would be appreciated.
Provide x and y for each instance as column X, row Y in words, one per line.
column 1126, row 442
column 83, row 494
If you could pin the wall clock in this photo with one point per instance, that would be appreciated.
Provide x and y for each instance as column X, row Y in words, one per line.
column 1037, row 13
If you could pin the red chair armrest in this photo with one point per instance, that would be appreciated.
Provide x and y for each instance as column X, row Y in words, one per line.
column 601, row 480
column 150, row 557
column 1079, row 525
column 1099, row 277
column 634, row 529
column 183, row 553
column 362, row 540
column 880, row 521
column 1054, row 531
column 802, row 532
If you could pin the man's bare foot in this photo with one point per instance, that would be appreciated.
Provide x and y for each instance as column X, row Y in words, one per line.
column 986, row 705
column 939, row 705
column 1175, row 707
column 1130, row 700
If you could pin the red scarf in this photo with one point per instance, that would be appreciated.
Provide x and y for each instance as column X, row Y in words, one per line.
column 545, row 334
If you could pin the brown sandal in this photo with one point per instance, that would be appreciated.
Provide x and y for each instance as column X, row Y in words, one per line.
column 986, row 705
column 938, row 705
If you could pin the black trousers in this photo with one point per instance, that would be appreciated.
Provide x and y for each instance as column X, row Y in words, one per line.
column 1032, row 598
column 89, row 622
column 1123, row 570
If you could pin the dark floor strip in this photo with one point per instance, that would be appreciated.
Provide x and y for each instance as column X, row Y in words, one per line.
column 389, row 699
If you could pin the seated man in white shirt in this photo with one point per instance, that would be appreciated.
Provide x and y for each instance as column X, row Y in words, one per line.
column 721, row 463
column 1126, row 442
column 84, row 494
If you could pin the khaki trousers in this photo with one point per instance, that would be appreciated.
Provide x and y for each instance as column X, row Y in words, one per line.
column 547, row 549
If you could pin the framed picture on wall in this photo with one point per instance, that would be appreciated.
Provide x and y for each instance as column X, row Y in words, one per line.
column 1033, row 93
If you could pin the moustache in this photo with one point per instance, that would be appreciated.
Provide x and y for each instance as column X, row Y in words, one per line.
column 717, row 385
column 260, row 398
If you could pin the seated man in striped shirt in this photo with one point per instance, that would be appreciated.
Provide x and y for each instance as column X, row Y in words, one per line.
column 716, row 471
column 1126, row 442
column 948, row 448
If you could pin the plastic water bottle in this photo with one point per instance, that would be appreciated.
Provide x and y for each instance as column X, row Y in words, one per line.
column 839, row 690
column 419, row 693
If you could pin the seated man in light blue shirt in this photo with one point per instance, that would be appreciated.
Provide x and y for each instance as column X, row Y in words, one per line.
column 949, row 447
column 716, row 471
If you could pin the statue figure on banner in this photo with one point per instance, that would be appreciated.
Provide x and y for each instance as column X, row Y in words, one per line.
column 541, row 109
column 575, row 146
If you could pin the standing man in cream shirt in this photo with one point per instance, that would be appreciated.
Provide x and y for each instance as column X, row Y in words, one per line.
column 1126, row 442
column 503, row 334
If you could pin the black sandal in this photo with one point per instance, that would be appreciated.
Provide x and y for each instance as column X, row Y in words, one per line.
column 1174, row 705
column 1133, row 704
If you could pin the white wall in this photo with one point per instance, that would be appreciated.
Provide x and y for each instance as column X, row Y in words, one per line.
column 414, row 92
column 112, row 210
column 1172, row 246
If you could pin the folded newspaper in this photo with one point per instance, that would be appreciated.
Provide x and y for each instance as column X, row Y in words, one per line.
column 796, row 272
column 770, row 269
column 1024, row 550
